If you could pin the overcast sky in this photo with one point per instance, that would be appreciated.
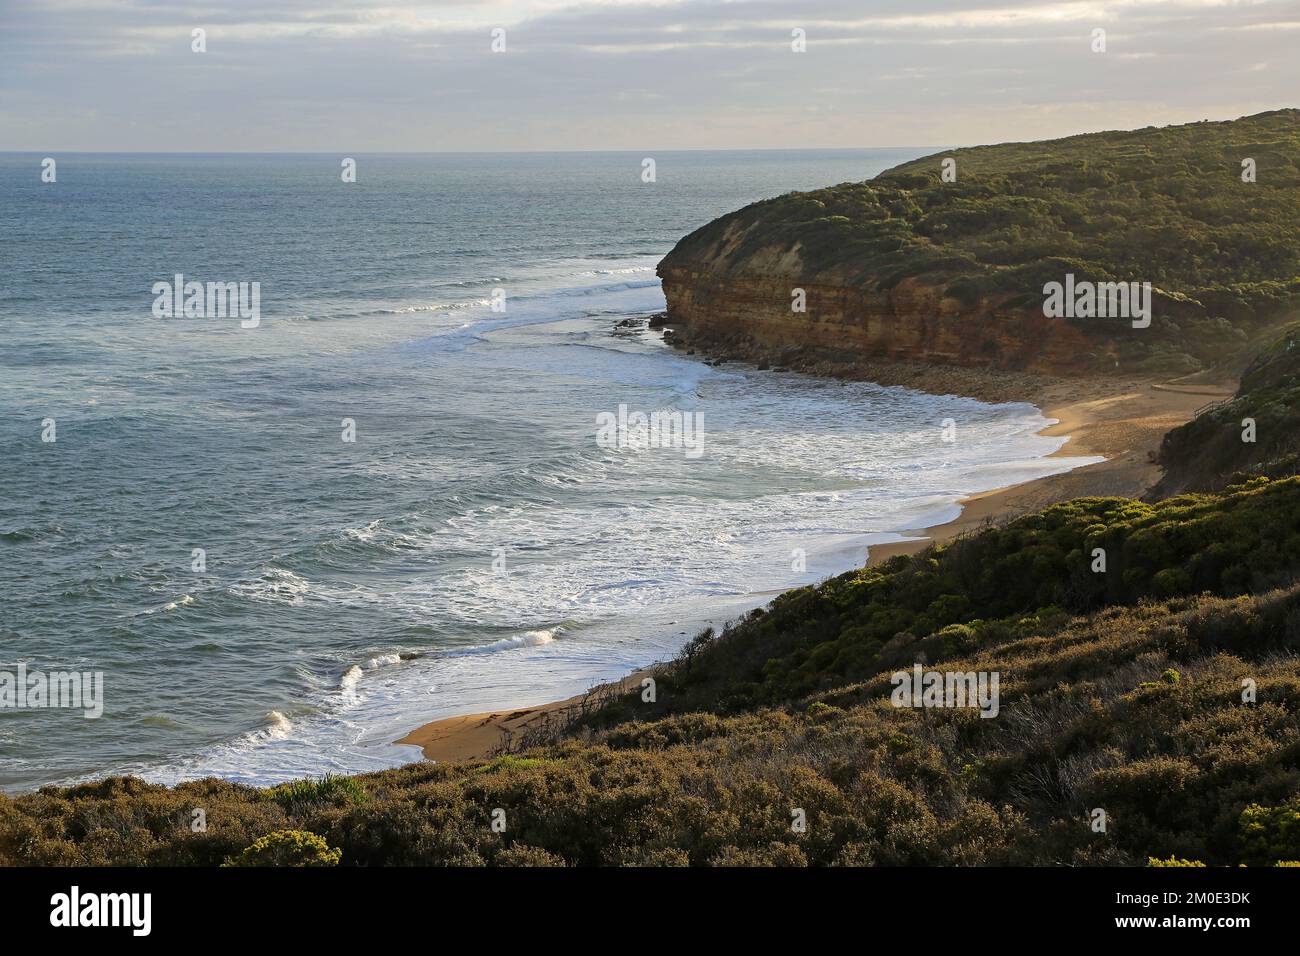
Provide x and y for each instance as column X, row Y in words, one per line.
column 388, row 75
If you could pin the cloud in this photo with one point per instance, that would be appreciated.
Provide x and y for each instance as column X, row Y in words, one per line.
column 383, row 75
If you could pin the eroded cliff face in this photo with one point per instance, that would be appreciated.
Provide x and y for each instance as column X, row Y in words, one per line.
column 749, row 317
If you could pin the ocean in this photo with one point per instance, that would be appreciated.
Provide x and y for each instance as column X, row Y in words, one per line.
column 265, row 598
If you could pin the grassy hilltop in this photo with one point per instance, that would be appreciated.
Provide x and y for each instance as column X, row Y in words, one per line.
column 1161, row 205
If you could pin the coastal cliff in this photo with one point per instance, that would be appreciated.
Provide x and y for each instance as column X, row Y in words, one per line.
column 750, row 318
column 914, row 266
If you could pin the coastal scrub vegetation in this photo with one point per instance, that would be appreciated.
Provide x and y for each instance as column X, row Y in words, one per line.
column 1163, row 690
column 1161, row 205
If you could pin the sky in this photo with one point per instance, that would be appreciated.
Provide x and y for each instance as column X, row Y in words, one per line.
column 390, row 76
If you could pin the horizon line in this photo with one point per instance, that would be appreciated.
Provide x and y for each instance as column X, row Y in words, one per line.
column 460, row 152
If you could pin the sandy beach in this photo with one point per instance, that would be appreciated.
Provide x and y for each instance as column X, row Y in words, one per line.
column 1124, row 424
column 1122, row 421
column 472, row 736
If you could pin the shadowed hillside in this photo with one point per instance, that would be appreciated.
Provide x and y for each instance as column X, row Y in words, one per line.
column 1212, row 450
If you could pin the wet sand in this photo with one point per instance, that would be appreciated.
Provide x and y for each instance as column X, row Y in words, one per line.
column 474, row 736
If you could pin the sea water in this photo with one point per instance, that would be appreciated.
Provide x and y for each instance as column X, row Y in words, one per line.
column 267, row 599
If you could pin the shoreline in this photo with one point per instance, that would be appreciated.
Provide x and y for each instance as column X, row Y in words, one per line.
column 1123, row 421
column 1102, row 421
column 475, row 736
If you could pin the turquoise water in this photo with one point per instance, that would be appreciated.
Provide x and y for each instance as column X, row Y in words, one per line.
column 474, row 546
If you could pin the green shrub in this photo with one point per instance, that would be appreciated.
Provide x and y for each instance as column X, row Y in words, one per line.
column 300, row 795
column 1270, row 834
column 288, row 848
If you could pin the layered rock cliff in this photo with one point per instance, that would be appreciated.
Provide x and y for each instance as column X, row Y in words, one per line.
column 751, row 318
column 913, row 266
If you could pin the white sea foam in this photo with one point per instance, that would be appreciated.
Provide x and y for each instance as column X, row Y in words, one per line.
column 273, row 584
column 278, row 726
column 183, row 601
column 527, row 639
column 367, row 534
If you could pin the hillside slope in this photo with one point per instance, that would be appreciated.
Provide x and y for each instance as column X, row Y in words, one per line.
column 1121, row 691
column 1256, row 433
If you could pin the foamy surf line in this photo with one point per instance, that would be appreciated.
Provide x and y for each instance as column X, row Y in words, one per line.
column 357, row 734
column 536, row 638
